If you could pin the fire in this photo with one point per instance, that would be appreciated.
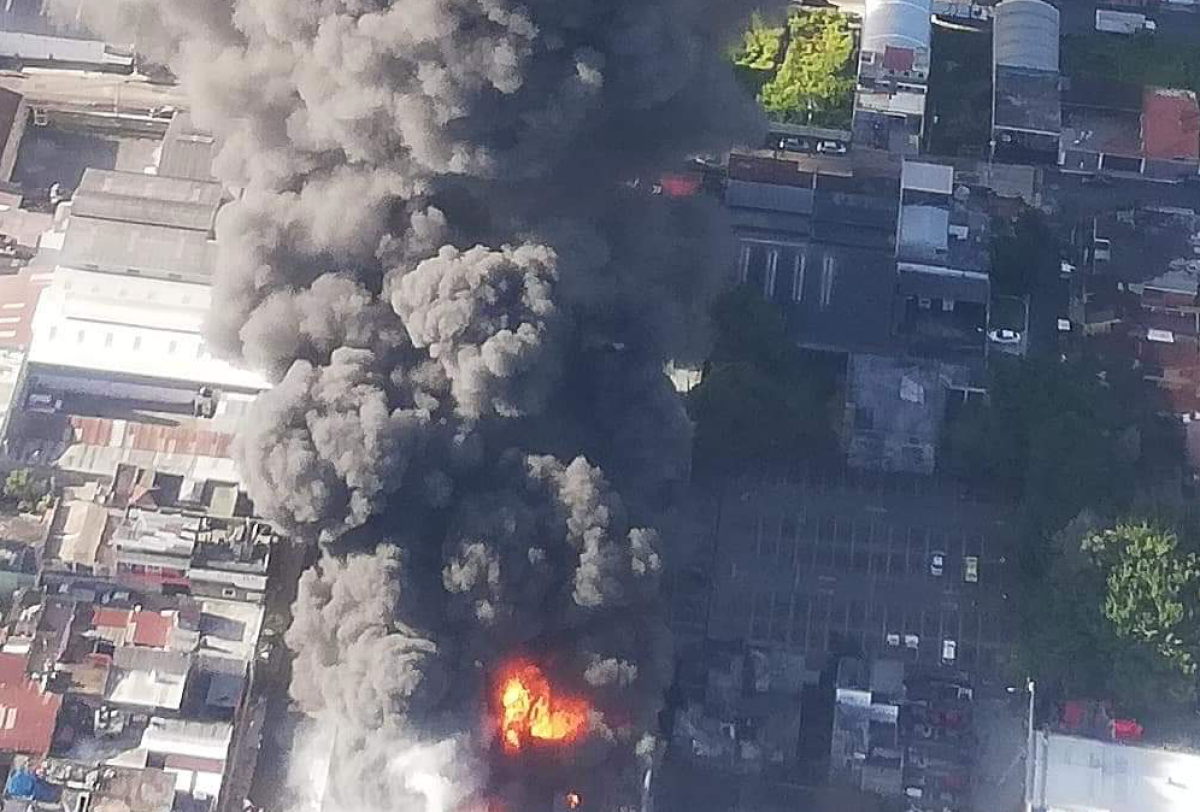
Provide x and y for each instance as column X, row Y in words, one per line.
column 573, row 800
column 530, row 710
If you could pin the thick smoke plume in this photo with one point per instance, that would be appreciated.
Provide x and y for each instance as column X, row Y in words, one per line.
column 439, row 250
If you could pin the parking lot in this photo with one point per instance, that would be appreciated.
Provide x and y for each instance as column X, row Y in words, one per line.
column 826, row 566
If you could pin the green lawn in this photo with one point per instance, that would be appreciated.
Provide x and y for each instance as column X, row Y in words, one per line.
column 1139, row 60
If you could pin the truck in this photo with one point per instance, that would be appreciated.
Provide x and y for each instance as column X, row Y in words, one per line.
column 1123, row 22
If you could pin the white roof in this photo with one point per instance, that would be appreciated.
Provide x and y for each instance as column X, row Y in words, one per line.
column 230, row 628
column 896, row 23
column 1025, row 35
column 925, row 227
column 925, row 177
column 59, row 49
column 1072, row 773
column 150, row 328
column 188, row 738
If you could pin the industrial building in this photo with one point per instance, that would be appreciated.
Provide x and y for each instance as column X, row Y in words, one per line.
column 1026, row 111
column 893, row 75
column 116, row 369
column 1072, row 772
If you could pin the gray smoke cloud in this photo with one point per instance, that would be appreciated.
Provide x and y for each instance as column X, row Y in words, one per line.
column 435, row 251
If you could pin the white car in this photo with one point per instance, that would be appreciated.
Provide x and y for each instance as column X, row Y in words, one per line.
column 1005, row 336
column 971, row 569
column 949, row 650
column 937, row 563
column 831, row 148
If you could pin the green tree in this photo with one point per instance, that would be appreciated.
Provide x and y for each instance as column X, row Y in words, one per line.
column 1022, row 256
column 814, row 82
column 760, row 46
column 763, row 403
column 25, row 489
column 1152, row 590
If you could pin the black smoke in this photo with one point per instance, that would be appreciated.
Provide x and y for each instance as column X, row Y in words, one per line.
column 438, row 252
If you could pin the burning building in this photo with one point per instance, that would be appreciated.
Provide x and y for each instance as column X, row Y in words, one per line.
column 465, row 312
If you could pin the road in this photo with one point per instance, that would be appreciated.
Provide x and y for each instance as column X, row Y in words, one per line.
column 81, row 91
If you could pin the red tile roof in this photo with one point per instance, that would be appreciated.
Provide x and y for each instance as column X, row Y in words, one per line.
column 18, row 300
column 898, row 59
column 13, row 668
column 111, row 618
column 27, row 719
column 151, row 629
column 1170, row 124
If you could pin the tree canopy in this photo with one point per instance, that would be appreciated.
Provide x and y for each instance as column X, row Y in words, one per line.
column 763, row 403
column 1115, row 617
column 814, row 80
column 25, row 490
column 1152, row 590
column 760, row 47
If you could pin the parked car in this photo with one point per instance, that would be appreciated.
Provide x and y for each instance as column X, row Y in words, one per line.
column 831, row 148
column 971, row 569
column 1005, row 336
column 949, row 650
column 937, row 563
column 40, row 402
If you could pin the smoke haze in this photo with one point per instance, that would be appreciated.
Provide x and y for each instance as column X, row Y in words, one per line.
column 437, row 255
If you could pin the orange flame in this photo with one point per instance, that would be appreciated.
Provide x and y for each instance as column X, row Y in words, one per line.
column 530, row 710
column 573, row 800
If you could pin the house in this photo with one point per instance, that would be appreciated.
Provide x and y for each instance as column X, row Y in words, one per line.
column 1026, row 108
column 893, row 75
column 148, row 678
column 1112, row 127
column 28, row 716
column 895, row 410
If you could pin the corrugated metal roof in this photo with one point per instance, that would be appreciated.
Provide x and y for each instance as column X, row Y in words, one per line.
column 134, row 197
column 896, row 23
column 93, row 244
column 100, row 431
column 768, row 196
column 187, row 152
column 1025, row 35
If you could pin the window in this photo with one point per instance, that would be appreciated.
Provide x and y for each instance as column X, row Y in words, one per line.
column 744, row 264
column 769, row 278
column 228, row 592
column 137, row 342
column 108, row 339
column 171, row 346
column 79, row 336
column 798, row 278
column 947, row 305
column 53, row 332
column 828, row 270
